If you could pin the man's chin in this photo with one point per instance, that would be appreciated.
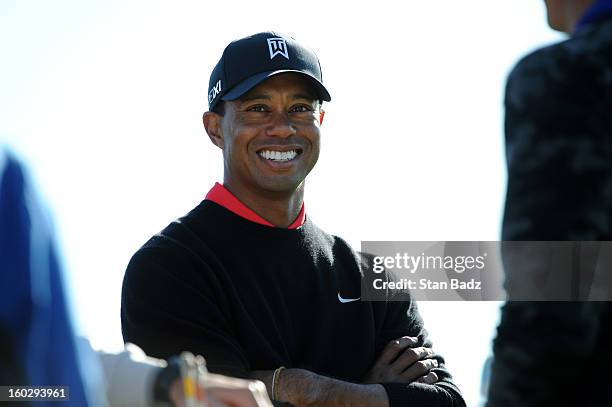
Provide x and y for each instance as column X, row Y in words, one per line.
column 280, row 185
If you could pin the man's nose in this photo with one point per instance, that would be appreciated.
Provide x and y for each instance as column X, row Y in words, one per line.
column 281, row 125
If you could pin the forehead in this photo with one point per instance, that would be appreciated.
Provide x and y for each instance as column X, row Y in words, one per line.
column 284, row 83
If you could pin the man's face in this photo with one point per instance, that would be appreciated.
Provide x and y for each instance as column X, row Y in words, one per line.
column 556, row 13
column 563, row 15
column 270, row 136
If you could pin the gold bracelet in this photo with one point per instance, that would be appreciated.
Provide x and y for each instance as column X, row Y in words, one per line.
column 275, row 377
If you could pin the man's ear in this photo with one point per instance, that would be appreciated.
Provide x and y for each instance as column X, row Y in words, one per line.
column 321, row 116
column 212, row 124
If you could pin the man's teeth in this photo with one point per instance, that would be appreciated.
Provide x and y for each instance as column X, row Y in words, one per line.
column 278, row 155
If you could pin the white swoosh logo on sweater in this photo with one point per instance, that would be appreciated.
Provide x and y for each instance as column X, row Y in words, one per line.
column 345, row 300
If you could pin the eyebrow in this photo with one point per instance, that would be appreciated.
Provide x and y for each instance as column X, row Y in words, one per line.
column 257, row 96
column 303, row 96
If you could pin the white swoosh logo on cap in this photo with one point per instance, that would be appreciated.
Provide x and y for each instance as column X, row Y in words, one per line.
column 345, row 300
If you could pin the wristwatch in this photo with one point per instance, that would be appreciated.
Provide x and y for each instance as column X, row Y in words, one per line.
column 163, row 381
column 191, row 371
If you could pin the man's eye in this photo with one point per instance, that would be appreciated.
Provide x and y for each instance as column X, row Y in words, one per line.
column 257, row 108
column 301, row 109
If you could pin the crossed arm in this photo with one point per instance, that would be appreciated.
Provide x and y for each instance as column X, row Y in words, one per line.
column 401, row 361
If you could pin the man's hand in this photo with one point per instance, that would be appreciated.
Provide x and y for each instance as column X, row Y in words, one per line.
column 223, row 391
column 401, row 362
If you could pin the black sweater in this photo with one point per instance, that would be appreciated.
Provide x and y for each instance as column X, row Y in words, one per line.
column 253, row 297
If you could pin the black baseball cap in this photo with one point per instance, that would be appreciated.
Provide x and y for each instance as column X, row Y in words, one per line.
column 247, row 62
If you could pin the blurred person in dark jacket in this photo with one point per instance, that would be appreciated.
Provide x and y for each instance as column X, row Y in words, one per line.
column 559, row 153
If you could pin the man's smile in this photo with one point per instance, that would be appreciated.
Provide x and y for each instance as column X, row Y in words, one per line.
column 279, row 156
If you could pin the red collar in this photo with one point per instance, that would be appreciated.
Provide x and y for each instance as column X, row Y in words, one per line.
column 222, row 196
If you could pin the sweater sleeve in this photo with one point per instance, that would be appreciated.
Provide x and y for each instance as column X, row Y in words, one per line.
column 170, row 304
column 402, row 318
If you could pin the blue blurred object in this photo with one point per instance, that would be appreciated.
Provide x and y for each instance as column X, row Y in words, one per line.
column 34, row 315
column 600, row 10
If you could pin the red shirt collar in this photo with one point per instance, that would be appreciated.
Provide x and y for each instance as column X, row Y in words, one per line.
column 222, row 196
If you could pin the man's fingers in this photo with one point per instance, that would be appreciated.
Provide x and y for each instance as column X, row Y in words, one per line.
column 409, row 357
column 217, row 380
column 419, row 368
column 252, row 396
column 429, row 378
column 211, row 401
column 232, row 392
column 394, row 347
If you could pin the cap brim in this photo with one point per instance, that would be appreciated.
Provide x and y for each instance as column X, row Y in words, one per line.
column 249, row 83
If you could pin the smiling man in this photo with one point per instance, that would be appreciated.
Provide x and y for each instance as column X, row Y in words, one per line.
column 249, row 281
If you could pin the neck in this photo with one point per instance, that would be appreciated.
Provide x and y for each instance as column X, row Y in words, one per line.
column 574, row 11
column 278, row 208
